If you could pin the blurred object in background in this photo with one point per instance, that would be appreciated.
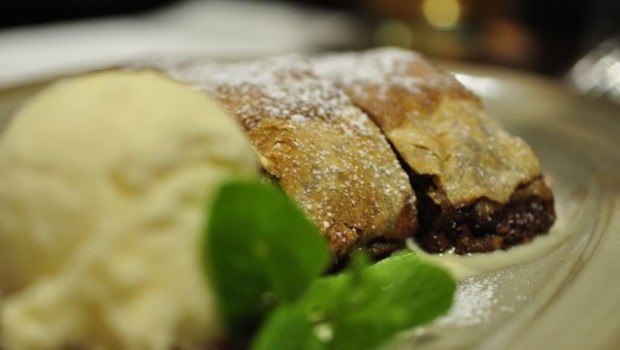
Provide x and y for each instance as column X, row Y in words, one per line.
column 484, row 30
column 597, row 74
column 545, row 36
column 214, row 29
column 28, row 12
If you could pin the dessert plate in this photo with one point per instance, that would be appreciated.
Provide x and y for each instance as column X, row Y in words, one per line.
column 565, row 293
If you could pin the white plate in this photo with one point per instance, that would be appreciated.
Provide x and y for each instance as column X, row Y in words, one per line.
column 569, row 298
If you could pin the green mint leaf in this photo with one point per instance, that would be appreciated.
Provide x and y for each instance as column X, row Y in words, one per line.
column 426, row 290
column 288, row 328
column 363, row 309
column 260, row 250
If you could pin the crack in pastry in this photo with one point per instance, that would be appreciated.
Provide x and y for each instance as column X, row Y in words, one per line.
column 325, row 153
column 479, row 189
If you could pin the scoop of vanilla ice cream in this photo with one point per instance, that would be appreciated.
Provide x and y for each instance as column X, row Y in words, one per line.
column 105, row 182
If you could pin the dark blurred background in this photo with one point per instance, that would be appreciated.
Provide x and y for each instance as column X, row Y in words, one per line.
column 545, row 36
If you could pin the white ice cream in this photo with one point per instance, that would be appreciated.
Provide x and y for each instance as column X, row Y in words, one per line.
column 104, row 184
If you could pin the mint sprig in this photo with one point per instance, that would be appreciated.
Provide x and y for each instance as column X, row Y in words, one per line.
column 260, row 251
column 364, row 308
column 265, row 260
column 288, row 328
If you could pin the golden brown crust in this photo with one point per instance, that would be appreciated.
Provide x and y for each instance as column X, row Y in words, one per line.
column 325, row 152
column 478, row 188
column 438, row 127
column 328, row 155
column 394, row 101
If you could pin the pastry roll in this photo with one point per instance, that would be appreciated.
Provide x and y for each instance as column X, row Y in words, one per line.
column 325, row 153
column 479, row 189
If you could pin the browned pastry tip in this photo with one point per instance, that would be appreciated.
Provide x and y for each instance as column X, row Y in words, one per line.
column 459, row 159
column 325, row 152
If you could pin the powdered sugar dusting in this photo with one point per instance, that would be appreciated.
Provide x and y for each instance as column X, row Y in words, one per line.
column 473, row 304
column 383, row 68
column 438, row 126
column 280, row 87
column 327, row 153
